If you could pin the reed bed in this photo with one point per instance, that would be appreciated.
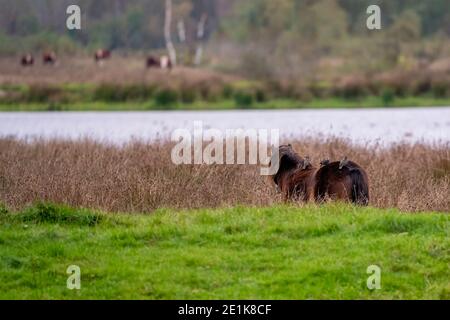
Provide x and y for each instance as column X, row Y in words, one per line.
column 140, row 177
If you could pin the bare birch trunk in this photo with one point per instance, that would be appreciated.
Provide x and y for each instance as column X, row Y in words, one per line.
column 200, row 35
column 181, row 31
column 167, row 36
column 182, row 38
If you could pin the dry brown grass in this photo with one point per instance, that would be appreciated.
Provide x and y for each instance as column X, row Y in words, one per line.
column 117, row 70
column 140, row 177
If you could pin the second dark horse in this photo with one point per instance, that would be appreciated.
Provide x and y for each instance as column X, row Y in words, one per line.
column 299, row 180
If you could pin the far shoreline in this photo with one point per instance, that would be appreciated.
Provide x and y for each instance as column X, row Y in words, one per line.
column 371, row 102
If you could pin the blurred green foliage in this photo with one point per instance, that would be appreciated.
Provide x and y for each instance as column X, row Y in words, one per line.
column 138, row 24
column 298, row 48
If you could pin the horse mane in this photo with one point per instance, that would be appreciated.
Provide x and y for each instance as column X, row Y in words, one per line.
column 288, row 160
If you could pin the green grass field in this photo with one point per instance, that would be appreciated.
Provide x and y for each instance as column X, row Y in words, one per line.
column 279, row 252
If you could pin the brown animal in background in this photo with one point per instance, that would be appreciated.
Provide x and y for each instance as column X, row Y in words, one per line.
column 153, row 62
column 163, row 62
column 27, row 60
column 298, row 179
column 166, row 63
column 102, row 54
column 49, row 58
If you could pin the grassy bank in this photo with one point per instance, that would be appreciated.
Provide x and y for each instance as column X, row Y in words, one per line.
column 229, row 104
column 239, row 253
column 121, row 86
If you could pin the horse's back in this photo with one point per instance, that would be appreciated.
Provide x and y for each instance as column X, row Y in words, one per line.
column 348, row 182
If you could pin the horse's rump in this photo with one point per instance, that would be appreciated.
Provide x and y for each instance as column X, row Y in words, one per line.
column 348, row 183
column 360, row 187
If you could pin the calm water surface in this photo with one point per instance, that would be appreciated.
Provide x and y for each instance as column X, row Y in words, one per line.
column 360, row 126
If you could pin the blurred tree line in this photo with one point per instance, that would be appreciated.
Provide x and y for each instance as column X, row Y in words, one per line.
column 112, row 24
column 303, row 32
column 138, row 24
column 253, row 35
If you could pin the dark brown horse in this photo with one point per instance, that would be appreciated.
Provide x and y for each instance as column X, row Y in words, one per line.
column 27, row 60
column 299, row 180
column 153, row 62
column 49, row 58
column 101, row 55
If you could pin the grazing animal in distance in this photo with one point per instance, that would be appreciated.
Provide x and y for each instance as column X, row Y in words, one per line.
column 49, row 58
column 298, row 179
column 166, row 63
column 160, row 63
column 153, row 62
column 101, row 55
column 27, row 60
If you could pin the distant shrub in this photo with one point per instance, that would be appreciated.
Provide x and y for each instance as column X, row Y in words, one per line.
column 227, row 91
column 121, row 93
column 256, row 65
column 288, row 90
column 440, row 89
column 243, row 99
column 42, row 94
column 209, row 91
column 275, row 88
column 318, row 89
column 400, row 84
column 302, row 94
column 351, row 87
column 187, row 95
column 387, row 96
column 54, row 107
column 353, row 92
column 260, row 95
column 420, row 87
column 166, row 97
column 137, row 92
column 204, row 91
column 108, row 93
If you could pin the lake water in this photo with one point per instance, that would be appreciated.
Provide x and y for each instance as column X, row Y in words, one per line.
column 358, row 125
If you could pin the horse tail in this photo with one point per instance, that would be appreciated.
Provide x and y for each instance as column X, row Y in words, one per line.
column 360, row 187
